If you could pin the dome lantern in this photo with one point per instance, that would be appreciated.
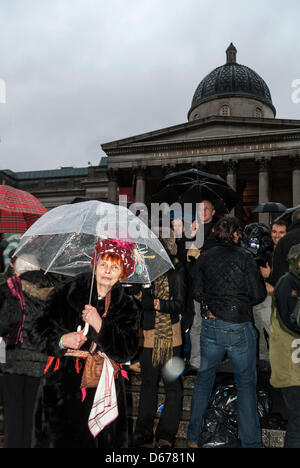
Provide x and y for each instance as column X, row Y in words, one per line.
column 236, row 86
column 231, row 54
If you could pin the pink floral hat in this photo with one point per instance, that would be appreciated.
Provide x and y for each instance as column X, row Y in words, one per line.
column 121, row 248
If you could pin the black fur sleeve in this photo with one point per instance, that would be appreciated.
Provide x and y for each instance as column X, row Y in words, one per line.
column 49, row 328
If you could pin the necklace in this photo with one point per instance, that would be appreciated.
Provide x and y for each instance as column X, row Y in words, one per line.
column 100, row 298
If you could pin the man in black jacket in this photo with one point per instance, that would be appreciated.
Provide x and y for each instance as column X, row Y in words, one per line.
column 227, row 284
column 280, row 261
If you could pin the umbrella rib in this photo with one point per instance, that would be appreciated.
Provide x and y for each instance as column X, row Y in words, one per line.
column 59, row 251
column 86, row 215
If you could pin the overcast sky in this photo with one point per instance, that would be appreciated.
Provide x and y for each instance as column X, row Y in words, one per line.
column 80, row 73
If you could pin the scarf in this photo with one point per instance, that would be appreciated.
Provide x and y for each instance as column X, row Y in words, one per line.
column 163, row 336
column 15, row 286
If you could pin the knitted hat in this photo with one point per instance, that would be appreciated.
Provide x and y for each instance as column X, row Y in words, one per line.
column 114, row 246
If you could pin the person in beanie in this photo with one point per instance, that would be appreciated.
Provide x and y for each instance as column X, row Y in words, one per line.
column 285, row 343
column 22, row 298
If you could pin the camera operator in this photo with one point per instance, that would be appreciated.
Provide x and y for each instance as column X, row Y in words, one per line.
column 257, row 239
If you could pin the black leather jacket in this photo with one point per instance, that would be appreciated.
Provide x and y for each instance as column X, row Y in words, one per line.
column 229, row 282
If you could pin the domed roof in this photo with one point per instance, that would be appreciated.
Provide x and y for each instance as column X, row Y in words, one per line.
column 232, row 79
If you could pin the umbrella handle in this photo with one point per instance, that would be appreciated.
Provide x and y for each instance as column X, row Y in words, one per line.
column 86, row 329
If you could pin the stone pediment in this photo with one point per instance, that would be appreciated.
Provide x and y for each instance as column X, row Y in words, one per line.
column 212, row 130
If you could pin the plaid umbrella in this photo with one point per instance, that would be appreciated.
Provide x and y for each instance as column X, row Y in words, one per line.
column 18, row 209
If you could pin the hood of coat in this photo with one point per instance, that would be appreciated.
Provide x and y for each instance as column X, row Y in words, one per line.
column 35, row 284
column 39, row 278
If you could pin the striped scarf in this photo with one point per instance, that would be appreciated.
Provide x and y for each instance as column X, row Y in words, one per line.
column 163, row 337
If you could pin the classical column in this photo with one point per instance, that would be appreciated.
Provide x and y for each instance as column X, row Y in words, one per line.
column 231, row 173
column 263, row 188
column 112, row 187
column 296, row 180
column 231, row 177
column 140, row 186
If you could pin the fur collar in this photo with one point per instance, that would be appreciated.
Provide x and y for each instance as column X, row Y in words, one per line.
column 79, row 292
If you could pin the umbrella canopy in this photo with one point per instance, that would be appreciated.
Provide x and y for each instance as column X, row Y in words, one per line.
column 287, row 214
column 193, row 186
column 18, row 209
column 63, row 240
column 270, row 207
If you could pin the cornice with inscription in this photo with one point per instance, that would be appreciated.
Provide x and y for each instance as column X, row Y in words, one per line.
column 207, row 142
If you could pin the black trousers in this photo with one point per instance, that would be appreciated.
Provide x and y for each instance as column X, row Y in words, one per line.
column 171, row 413
column 291, row 397
column 19, row 396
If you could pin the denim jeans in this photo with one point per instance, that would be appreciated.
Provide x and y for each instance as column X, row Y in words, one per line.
column 239, row 341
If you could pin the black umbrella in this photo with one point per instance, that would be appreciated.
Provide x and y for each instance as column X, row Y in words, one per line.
column 193, row 186
column 286, row 216
column 270, row 207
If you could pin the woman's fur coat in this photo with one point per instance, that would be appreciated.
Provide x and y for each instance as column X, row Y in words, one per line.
column 61, row 419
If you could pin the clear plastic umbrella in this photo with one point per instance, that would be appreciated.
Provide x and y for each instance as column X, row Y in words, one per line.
column 63, row 240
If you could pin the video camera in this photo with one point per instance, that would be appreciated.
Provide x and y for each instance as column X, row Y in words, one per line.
column 256, row 238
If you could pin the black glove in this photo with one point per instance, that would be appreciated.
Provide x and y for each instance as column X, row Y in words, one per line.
column 147, row 300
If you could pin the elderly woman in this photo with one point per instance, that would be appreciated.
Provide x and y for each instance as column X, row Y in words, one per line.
column 63, row 413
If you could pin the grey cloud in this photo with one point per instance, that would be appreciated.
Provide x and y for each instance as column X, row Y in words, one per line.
column 83, row 72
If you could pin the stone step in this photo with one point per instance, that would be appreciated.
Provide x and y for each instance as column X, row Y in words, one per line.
column 133, row 398
column 271, row 438
column 188, row 382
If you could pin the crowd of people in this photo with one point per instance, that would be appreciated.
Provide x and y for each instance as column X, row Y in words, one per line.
column 236, row 296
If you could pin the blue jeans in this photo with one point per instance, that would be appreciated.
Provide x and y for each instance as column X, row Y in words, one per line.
column 239, row 341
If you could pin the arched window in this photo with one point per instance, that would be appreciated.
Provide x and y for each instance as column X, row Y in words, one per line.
column 258, row 113
column 225, row 110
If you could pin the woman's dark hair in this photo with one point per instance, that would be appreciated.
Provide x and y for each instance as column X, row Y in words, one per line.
column 226, row 227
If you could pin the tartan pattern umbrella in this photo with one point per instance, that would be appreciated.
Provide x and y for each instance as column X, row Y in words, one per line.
column 18, row 209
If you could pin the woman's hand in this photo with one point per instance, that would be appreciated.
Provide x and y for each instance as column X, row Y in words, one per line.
column 73, row 340
column 91, row 316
